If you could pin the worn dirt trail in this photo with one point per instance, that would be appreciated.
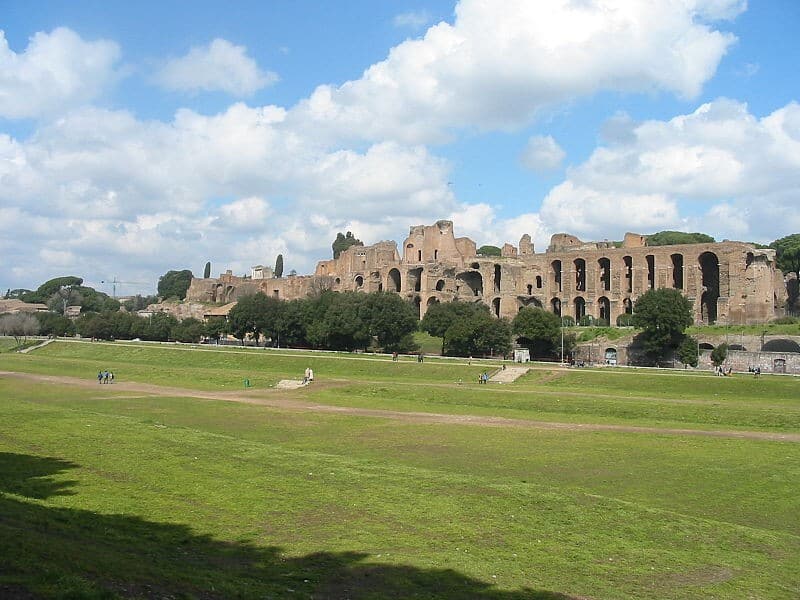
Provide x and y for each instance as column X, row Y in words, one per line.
column 296, row 401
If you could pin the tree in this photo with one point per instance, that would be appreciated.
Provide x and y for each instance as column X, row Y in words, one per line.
column 343, row 242
column 480, row 335
column 173, row 284
column 215, row 327
column 442, row 315
column 671, row 238
column 139, row 302
column 54, row 324
column 190, row 330
column 489, row 251
column 19, row 326
column 787, row 254
column 719, row 354
column 279, row 266
column 343, row 327
column 66, row 296
column 255, row 315
column 538, row 330
column 50, row 287
column 663, row 315
column 688, row 351
column 390, row 319
column 207, row 270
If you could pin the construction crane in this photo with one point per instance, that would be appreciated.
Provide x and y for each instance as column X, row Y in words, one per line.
column 116, row 281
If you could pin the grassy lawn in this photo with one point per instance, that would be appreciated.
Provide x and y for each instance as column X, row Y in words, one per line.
column 105, row 493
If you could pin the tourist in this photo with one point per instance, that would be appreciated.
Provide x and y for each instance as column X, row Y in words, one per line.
column 99, row 377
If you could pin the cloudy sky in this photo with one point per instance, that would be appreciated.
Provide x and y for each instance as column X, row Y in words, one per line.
column 145, row 136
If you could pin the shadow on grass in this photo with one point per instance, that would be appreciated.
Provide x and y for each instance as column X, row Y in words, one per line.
column 48, row 552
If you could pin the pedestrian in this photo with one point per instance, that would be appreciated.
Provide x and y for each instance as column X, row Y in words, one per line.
column 305, row 375
column 99, row 377
column 310, row 374
column 105, row 376
column 110, row 377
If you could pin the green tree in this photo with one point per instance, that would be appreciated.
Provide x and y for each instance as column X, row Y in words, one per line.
column 215, row 327
column 343, row 242
column 672, row 238
column 207, row 270
column 442, row 315
column 279, row 266
column 173, row 284
column 787, row 254
column 190, row 330
column 480, row 335
column 66, row 296
column 538, row 330
column 54, row 324
column 255, row 315
column 688, row 351
column 139, row 302
column 663, row 315
column 343, row 326
column 50, row 287
column 489, row 251
column 719, row 354
column 390, row 319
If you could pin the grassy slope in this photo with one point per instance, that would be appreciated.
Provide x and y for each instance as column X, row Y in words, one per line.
column 252, row 502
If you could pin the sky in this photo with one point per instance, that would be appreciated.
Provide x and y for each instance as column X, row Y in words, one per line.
column 141, row 137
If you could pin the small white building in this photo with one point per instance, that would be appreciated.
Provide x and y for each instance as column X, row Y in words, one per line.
column 260, row 272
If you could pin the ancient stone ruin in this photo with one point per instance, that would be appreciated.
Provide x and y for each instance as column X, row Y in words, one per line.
column 727, row 282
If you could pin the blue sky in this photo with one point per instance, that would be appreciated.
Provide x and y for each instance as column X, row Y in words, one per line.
column 141, row 137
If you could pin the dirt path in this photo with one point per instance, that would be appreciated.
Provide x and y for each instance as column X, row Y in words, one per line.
column 295, row 401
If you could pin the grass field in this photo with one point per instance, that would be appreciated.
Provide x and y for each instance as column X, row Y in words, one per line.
column 141, row 490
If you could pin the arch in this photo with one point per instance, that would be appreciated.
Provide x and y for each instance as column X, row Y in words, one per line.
column 737, row 347
column 705, row 346
column 359, row 281
column 677, row 271
column 781, row 345
column 497, row 275
column 440, row 285
column 628, row 261
column 555, row 267
column 580, row 274
column 475, row 266
column 337, row 281
column 779, row 365
column 749, row 259
column 555, row 303
column 580, row 308
column 496, row 307
column 414, row 279
column 393, row 281
column 528, row 302
column 651, row 271
column 604, row 264
column 627, row 306
column 709, row 268
column 610, row 355
column 604, row 309
column 431, row 301
column 539, row 282
column 473, row 280
column 418, row 304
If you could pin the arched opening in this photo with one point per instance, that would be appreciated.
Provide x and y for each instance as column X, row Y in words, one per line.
column 475, row 266
column 627, row 306
column 580, row 308
column 528, row 302
column 580, row 274
column 539, row 282
column 473, row 281
column 431, row 301
column 605, row 273
column 497, row 275
column 677, row 271
column 555, row 266
column 781, row 345
column 337, row 281
column 359, row 281
column 555, row 303
column 737, row 347
column 530, row 289
column 779, row 365
column 414, row 279
column 393, row 283
column 705, row 346
column 749, row 259
column 496, row 307
column 440, row 285
column 628, row 260
column 709, row 268
column 651, row 271
column 418, row 304
column 611, row 356
column 604, row 308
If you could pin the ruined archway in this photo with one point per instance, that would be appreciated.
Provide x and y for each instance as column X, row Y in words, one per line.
column 414, row 279
column 677, row 271
column 604, row 264
column 523, row 302
column 472, row 281
column 651, row 271
column 555, row 268
column 580, row 308
column 781, row 345
column 496, row 307
column 497, row 276
column 440, row 285
column 359, row 281
column 627, row 306
column 580, row 274
column 709, row 268
column 628, row 260
column 555, row 303
column 393, row 281
column 604, row 309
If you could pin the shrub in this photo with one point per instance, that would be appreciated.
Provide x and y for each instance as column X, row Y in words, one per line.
column 785, row 321
column 625, row 320
column 586, row 321
column 567, row 321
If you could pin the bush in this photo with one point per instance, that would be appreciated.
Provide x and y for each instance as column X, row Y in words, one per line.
column 625, row 320
column 719, row 354
column 586, row 321
column 601, row 322
column 567, row 321
column 785, row 321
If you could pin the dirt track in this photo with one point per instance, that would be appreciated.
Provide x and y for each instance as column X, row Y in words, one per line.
column 295, row 401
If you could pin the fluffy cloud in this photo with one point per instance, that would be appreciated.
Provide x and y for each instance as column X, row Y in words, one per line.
column 220, row 66
column 745, row 170
column 542, row 154
column 499, row 65
column 414, row 19
column 57, row 70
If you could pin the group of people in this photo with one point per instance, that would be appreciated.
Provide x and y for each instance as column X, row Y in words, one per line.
column 483, row 377
column 720, row 371
column 105, row 377
column 756, row 371
column 308, row 376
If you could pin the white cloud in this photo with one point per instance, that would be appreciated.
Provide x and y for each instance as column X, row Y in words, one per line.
column 745, row 168
column 220, row 66
column 501, row 64
column 414, row 19
column 57, row 70
column 542, row 154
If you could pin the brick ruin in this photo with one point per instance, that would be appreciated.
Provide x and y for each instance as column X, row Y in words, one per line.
column 727, row 282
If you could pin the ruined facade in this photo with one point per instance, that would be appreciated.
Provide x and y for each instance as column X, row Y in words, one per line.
column 727, row 282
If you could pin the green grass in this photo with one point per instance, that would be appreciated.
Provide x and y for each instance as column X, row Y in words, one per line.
column 105, row 493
